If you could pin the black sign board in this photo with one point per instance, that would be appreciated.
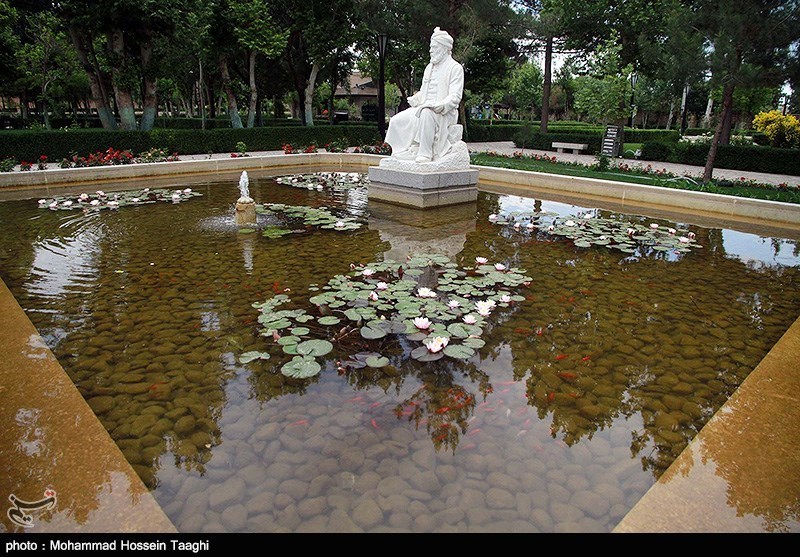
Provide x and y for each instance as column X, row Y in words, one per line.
column 612, row 141
column 369, row 112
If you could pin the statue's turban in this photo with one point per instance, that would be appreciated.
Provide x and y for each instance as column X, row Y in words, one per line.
column 442, row 37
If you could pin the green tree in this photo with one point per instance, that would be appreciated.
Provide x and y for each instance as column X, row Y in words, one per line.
column 603, row 93
column 526, row 87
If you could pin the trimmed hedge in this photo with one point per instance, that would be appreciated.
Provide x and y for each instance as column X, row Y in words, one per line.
column 734, row 157
column 494, row 132
column 29, row 145
column 530, row 139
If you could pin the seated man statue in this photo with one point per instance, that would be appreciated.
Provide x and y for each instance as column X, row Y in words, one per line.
column 427, row 130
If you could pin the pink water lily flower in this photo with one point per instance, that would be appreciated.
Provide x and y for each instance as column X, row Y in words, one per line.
column 469, row 319
column 505, row 299
column 684, row 240
column 551, row 228
column 654, row 226
column 492, row 217
column 373, row 296
column 671, row 231
column 499, row 266
column 484, row 307
column 95, row 202
column 481, row 260
column 569, row 223
column 453, row 304
column 516, row 225
column 422, row 323
column 368, row 272
column 435, row 344
column 691, row 235
column 339, row 224
column 425, row 293
column 42, row 202
column 83, row 197
column 101, row 193
column 176, row 197
column 630, row 231
column 382, row 286
column 67, row 203
column 187, row 190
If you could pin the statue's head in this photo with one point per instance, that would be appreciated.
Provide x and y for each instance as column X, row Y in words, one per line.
column 441, row 45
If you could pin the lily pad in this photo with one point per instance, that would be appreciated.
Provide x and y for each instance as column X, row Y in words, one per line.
column 248, row 357
column 458, row 351
column 371, row 333
column 314, row 347
column 377, row 361
column 300, row 331
column 301, row 367
column 328, row 320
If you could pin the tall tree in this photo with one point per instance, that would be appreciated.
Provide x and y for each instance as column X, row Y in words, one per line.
column 751, row 35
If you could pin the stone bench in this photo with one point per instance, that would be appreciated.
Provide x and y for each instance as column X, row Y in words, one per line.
column 574, row 147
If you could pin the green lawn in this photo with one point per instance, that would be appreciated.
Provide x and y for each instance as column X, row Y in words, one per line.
column 762, row 191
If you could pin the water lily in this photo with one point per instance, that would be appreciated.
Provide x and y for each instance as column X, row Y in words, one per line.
column 671, row 231
column 684, row 240
column 382, row 286
column 187, row 190
column 67, row 203
column 569, row 223
column 145, row 190
column 481, row 260
column 113, row 204
column 426, row 293
column 135, row 200
column 551, row 228
column 373, row 296
column 53, row 205
column 368, row 272
column 42, row 202
column 453, row 304
column 492, row 217
column 339, row 224
column 499, row 266
column 435, row 344
column 505, row 299
column 516, row 225
column 83, row 197
column 422, row 323
column 603, row 238
column 691, row 235
column 469, row 319
column 95, row 202
column 176, row 197
column 654, row 226
column 101, row 193
column 630, row 231
column 484, row 307
column 319, row 187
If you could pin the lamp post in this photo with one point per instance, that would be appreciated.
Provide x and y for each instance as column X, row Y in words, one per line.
column 383, row 39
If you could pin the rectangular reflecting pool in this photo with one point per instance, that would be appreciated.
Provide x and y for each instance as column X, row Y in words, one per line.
column 577, row 392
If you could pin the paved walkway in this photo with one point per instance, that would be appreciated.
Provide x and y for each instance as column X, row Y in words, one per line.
column 508, row 147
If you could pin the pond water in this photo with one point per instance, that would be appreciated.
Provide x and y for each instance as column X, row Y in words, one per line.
column 582, row 396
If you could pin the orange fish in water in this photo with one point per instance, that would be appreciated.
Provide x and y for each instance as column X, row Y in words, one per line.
column 440, row 437
column 587, row 292
column 276, row 287
column 474, row 432
column 574, row 395
column 562, row 356
column 550, row 396
column 374, row 404
column 522, row 331
column 374, row 423
column 566, row 375
column 301, row 422
column 443, row 410
column 586, row 358
column 539, row 332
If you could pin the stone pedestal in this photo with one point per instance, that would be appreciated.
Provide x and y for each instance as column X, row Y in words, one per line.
column 245, row 212
column 423, row 189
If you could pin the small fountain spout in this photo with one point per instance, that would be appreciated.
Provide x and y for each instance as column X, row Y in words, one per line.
column 245, row 206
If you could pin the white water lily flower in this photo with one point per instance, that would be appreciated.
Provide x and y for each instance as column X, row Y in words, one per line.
column 469, row 319
column 484, row 307
column 422, row 323
column 603, row 238
column 95, row 202
column 505, row 299
column 101, row 193
column 135, row 199
column 499, row 266
column 492, row 217
column 569, row 223
column 67, row 204
column 339, row 224
column 435, row 344
column 373, row 296
column 671, row 231
column 319, row 187
column 145, row 190
column 481, row 260
column 426, row 293
column 42, row 202
column 453, row 304
column 187, row 190
column 113, row 204
column 684, row 240
column 382, row 286
column 630, row 231
column 83, row 197
column 654, row 226
column 368, row 272
column 53, row 205
column 176, row 197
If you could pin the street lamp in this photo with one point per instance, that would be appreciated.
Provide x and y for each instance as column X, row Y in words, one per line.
column 383, row 39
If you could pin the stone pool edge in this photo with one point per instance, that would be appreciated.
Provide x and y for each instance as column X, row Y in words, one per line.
column 47, row 421
column 638, row 195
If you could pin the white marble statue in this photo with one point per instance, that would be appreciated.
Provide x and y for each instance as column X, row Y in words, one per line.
column 426, row 136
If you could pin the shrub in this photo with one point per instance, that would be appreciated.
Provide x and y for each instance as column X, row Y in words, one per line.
column 735, row 157
column 42, row 163
column 25, row 166
column 7, row 164
column 526, row 137
column 782, row 131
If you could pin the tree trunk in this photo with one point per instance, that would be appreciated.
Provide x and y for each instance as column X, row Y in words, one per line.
column 683, row 107
column 251, row 114
column 548, row 79
column 725, row 137
column 671, row 113
column 233, row 107
column 122, row 92
column 99, row 98
column 707, row 115
column 727, row 103
column 149, row 96
column 309, row 95
column 201, row 91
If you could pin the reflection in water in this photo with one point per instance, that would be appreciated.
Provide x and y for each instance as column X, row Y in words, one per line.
column 584, row 393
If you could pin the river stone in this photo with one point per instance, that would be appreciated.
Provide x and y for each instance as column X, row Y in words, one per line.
column 447, row 473
column 185, row 425
column 683, row 388
column 665, row 421
column 280, row 470
column 478, row 516
column 340, row 522
column 562, row 513
column 319, row 485
column 367, row 481
column 142, row 424
column 367, row 514
column 101, row 404
column 672, row 402
column 223, row 495
column 558, row 493
column 610, row 493
column 418, row 495
column 351, row 459
column 282, row 500
column 289, row 518
column 426, row 481
column 497, row 498
column 400, row 520
column 424, row 523
column 576, row 482
column 590, row 503
column 261, row 502
column 234, row 518
column 296, row 489
column 308, row 508
column 391, row 485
